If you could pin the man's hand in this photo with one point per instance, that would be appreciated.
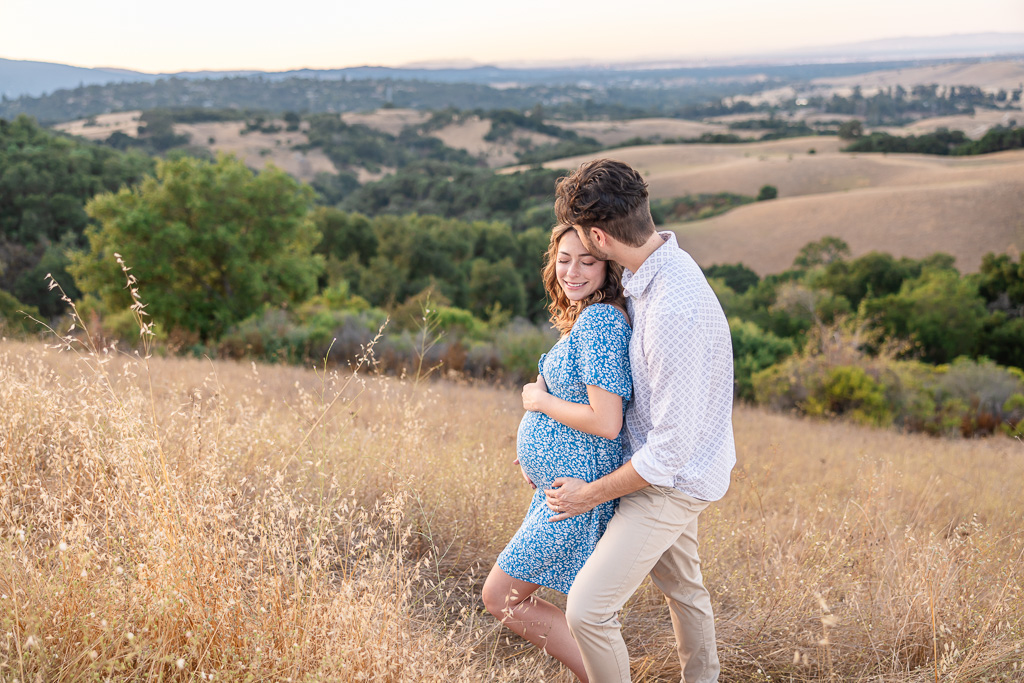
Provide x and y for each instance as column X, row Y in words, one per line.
column 534, row 394
column 567, row 497
column 525, row 475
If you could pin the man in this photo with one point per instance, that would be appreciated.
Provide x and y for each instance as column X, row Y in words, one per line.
column 679, row 441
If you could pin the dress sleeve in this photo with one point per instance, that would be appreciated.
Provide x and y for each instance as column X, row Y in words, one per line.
column 603, row 341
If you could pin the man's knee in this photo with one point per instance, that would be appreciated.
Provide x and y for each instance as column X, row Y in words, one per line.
column 581, row 614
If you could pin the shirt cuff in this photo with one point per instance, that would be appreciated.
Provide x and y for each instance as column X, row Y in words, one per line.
column 650, row 470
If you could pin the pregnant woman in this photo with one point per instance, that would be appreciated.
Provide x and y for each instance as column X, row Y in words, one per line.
column 571, row 428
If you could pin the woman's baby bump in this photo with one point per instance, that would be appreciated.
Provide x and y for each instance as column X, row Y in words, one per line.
column 548, row 449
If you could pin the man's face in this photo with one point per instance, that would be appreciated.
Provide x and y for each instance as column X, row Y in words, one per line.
column 589, row 244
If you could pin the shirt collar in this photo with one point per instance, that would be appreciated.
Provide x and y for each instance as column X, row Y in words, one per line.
column 635, row 284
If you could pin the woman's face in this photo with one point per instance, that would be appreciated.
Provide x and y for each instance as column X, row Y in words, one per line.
column 579, row 274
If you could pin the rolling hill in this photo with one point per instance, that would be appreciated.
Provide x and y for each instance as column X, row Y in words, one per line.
column 907, row 205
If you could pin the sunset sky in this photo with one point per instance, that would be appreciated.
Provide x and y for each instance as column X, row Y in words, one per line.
column 211, row 34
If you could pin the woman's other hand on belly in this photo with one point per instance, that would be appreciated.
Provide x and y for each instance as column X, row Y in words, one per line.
column 535, row 395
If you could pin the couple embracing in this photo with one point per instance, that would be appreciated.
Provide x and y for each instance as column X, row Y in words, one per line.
column 627, row 435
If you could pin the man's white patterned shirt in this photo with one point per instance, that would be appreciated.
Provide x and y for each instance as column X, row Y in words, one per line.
column 679, row 423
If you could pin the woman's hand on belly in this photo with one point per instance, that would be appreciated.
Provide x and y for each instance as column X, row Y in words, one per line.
column 525, row 475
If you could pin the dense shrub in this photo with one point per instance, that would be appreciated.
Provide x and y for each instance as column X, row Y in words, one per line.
column 695, row 207
column 14, row 316
column 753, row 350
column 966, row 398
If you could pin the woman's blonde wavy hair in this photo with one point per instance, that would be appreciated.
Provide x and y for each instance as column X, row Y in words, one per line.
column 565, row 313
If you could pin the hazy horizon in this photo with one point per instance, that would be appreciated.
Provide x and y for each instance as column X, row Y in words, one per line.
column 202, row 36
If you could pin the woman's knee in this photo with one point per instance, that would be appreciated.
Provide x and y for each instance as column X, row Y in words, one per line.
column 496, row 597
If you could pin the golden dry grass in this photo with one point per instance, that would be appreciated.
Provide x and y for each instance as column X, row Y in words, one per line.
column 966, row 220
column 257, row 149
column 469, row 133
column 126, row 122
column 987, row 75
column 179, row 519
column 990, row 76
column 904, row 204
column 973, row 125
column 390, row 121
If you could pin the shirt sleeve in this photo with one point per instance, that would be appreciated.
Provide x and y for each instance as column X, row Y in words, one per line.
column 603, row 339
column 673, row 351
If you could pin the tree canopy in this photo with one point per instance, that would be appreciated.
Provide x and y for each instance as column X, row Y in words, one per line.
column 210, row 243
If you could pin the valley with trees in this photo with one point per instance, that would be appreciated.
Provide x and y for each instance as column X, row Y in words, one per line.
column 320, row 275
column 413, row 213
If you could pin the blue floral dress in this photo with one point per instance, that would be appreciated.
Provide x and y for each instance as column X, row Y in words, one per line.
column 595, row 352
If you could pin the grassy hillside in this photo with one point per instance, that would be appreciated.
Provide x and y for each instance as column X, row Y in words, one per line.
column 178, row 517
column 907, row 205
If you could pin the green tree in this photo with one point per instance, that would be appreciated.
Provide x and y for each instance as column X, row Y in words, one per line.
column 210, row 244
column 493, row 284
column 850, row 130
column 1001, row 282
column 345, row 234
column 767, row 192
column 823, row 252
column 14, row 316
column 531, row 245
column 45, row 180
column 737, row 276
column 940, row 310
column 875, row 274
column 31, row 285
column 753, row 350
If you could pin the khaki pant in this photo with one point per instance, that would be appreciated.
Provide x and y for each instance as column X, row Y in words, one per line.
column 654, row 531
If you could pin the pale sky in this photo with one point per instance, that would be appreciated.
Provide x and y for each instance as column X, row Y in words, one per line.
column 187, row 35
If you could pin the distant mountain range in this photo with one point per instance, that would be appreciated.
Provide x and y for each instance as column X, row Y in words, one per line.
column 27, row 78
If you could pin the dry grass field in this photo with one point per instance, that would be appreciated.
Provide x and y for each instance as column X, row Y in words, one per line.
column 390, row 121
column 103, row 125
column 177, row 519
column 257, row 149
column 973, row 125
column 990, row 76
column 469, row 134
column 907, row 205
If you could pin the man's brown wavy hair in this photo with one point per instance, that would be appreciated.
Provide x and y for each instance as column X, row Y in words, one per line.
column 606, row 194
column 565, row 313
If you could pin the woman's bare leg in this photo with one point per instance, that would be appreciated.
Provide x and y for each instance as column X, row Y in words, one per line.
column 512, row 601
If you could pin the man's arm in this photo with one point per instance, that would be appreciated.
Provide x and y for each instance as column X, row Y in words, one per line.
column 569, row 496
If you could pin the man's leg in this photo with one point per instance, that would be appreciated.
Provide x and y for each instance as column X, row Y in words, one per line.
column 678, row 576
column 646, row 524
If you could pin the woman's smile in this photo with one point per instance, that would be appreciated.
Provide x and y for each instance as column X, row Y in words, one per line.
column 578, row 272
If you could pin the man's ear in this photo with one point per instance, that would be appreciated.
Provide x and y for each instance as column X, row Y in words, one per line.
column 599, row 237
